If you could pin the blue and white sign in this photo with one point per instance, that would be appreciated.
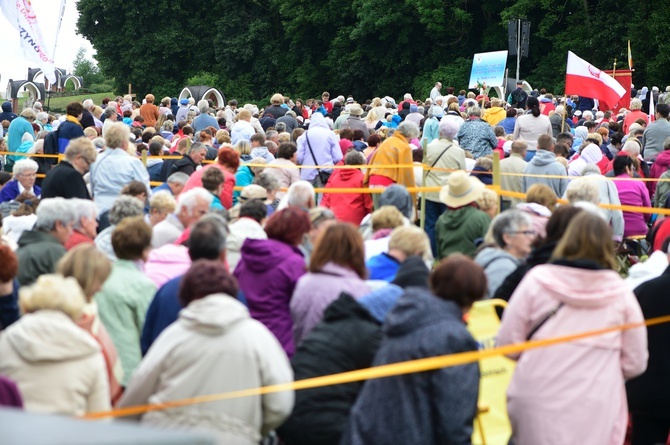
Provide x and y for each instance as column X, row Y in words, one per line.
column 489, row 69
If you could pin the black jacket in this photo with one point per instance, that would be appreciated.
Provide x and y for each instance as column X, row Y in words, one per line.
column 649, row 393
column 346, row 339
column 64, row 181
column 87, row 119
column 184, row 165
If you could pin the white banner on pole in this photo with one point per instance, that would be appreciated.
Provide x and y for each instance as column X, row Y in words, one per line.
column 22, row 17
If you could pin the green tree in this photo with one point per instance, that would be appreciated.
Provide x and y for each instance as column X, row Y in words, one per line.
column 87, row 69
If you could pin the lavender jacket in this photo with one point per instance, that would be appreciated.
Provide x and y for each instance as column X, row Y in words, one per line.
column 267, row 274
column 325, row 145
column 316, row 291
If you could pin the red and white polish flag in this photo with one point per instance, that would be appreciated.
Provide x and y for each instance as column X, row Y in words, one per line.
column 584, row 79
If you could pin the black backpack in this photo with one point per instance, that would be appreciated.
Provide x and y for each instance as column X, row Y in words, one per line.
column 51, row 145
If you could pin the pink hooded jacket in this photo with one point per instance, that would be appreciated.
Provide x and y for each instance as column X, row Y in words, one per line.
column 573, row 392
column 167, row 262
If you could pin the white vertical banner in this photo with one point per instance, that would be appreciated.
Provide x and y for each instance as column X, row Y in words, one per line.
column 21, row 15
column 61, row 13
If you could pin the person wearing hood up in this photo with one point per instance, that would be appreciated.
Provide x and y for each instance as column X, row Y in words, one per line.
column 462, row 223
column 544, row 163
column 269, row 269
column 174, row 106
column 574, row 392
column 590, row 155
column 318, row 146
column 495, row 114
column 429, row 407
column 58, row 367
column 348, row 207
column 415, row 115
column 512, row 236
column 7, row 112
column 392, row 121
column 346, row 339
column 214, row 347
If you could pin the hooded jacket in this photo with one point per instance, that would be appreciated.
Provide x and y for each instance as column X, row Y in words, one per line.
column 57, row 365
column 324, row 144
column 38, row 254
column 348, row 207
column 345, row 340
column 544, row 163
column 497, row 264
column 660, row 166
column 434, row 407
column 572, row 392
column 214, row 347
column 7, row 112
column 167, row 262
column 267, row 273
column 457, row 229
column 240, row 230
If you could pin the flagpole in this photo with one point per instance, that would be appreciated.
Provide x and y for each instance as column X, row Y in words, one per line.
column 614, row 68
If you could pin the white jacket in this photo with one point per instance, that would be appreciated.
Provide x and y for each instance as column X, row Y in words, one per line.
column 57, row 365
column 214, row 347
column 240, row 230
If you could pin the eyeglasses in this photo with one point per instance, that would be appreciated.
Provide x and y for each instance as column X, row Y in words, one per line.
column 523, row 232
column 28, row 175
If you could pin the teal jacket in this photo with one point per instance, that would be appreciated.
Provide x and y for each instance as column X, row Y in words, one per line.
column 457, row 230
column 122, row 305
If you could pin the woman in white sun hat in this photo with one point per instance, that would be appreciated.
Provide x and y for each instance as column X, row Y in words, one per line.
column 462, row 223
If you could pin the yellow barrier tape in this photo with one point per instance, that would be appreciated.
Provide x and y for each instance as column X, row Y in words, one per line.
column 394, row 369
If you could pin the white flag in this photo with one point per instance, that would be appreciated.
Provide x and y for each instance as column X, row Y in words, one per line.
column 652, row 110
column 22, row 17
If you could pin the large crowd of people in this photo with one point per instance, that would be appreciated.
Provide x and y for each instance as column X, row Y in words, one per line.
column 214, row 265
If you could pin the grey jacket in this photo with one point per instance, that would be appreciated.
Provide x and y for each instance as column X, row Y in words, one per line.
column 497, row 264
column 544, row 163
column 653, row 138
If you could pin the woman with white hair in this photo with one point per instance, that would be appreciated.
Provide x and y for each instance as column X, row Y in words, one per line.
column 635, row 114
column 443, row 155
column 114, row 168
column 25, row 174
column 58, row 366
column 85, row 228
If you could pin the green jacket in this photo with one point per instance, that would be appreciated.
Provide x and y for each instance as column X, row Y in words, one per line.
column 457, row 230
column 122, row 305
column 38, row 254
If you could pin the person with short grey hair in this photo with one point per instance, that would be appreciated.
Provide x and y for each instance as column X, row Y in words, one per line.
column 511, row 236
column 191, row 205
column 85, row 228
column 110, row 116
column 204, row 119
column 42, row 247
column 125, row 206
column 300, row 194
column 193, row 158
column 476, row 135
column 175, row 184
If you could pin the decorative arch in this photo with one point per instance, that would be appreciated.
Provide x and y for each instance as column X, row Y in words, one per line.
column 203, row 92
column 76, row 81
column 33, row 89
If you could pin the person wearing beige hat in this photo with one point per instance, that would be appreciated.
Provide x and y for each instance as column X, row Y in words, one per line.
column 463, row 222
column 355, row 122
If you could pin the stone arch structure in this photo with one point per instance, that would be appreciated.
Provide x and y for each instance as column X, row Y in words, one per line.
column 203, row 92
column 35, row 91
column 76, row 81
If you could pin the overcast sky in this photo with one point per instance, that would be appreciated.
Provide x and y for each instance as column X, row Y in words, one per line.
column 14, row 64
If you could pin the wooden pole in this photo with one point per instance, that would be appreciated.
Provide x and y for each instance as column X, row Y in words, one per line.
column 496, row 178
column 144, row 156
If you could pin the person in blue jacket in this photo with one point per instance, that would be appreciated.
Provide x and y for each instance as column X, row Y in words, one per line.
column 71, row 128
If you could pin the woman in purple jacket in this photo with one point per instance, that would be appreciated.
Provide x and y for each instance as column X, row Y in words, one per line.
column 269, row 270
column 337, row 265
column 631, row 193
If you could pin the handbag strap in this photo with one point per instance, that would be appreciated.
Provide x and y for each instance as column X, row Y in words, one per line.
column 543, row 321
column 318, row 171
column 438, row 158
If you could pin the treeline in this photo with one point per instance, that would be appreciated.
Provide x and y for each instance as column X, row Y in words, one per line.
column 367, row 48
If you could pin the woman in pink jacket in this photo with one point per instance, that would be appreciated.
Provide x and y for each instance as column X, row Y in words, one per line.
column 573, row 392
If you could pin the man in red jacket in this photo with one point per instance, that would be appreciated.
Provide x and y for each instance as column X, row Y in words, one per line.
column 349, row 207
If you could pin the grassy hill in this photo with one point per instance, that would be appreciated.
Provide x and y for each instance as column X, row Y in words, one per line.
column 58, row 104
